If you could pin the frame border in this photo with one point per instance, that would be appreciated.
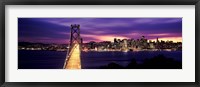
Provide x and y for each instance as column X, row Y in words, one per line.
column 98, row 2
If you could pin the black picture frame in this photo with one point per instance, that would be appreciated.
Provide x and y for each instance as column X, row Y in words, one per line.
column 98, row 2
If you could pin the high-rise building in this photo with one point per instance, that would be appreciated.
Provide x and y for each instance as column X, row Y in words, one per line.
column 125, row 45
column 115, row 40
column 157, row 41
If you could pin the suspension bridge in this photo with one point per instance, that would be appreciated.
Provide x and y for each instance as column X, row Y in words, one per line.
column 73, row 58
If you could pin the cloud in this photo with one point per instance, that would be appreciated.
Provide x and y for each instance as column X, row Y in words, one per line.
column 98, row 29
column 161, row 34
column 103, row 37
column 157, row 20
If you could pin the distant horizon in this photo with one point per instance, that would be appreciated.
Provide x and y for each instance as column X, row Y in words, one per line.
column 56, row 30
column 97, row 42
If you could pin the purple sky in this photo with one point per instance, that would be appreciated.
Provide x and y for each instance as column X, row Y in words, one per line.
column 56, row 30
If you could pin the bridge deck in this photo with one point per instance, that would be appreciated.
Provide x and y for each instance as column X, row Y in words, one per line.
column 74, row 60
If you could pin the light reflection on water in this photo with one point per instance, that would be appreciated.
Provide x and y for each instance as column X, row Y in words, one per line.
column 90, row 59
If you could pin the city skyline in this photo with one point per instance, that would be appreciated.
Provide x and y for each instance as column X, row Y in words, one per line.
column 57, row 30
column 112, row 41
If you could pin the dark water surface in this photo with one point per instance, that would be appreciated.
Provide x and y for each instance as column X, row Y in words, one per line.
column 55, row 59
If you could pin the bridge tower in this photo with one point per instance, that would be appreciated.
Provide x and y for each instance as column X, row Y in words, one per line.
column 73, row 59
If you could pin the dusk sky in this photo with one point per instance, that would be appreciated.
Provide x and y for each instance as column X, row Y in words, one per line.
column 57, row 30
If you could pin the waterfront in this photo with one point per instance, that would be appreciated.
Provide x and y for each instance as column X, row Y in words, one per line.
column 30, row 59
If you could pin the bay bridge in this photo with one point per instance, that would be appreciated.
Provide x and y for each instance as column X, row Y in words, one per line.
column 73, row 57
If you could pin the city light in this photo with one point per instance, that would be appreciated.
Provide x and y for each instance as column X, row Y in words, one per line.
column 124, row 45
column 102, row 43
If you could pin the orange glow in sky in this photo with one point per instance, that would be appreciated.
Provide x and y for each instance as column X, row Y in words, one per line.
column 104, row 37
column 111, row 38
column 174, row 39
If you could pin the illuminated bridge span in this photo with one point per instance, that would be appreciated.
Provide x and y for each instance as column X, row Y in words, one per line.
column 73, row 58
